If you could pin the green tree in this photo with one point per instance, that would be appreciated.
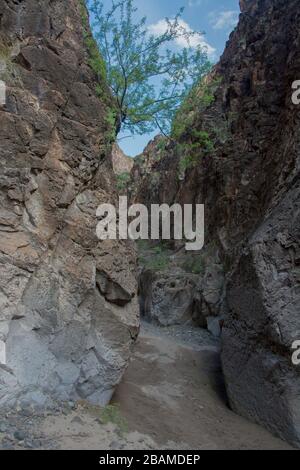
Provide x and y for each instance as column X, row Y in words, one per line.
column 148, row 75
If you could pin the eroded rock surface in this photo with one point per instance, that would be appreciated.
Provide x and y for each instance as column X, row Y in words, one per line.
column 69, row 310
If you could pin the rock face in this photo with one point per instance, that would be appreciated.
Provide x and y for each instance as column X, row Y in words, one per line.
column 168, row 299
column 150, row 174
column 121, row 163
column 178, row 288
column 69, row 310
column 263, row 294
column 250, row 184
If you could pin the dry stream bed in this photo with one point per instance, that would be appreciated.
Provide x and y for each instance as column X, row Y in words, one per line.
column 171, row 397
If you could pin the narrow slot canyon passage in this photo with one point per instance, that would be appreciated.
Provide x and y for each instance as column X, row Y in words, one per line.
column 173, row 393
column 189, row 337
column 172, row 396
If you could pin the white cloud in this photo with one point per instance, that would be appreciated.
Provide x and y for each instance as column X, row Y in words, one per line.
column 224, row 19
column 195, row 3
column 196, row 40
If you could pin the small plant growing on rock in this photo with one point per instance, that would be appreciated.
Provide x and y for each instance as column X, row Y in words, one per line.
column 154, row 258
column 159, row 262
column 200, row 97
column 110, row 135
column 95, row 61
column 112, row 414
column 161, row 149
column 199, row 144
column 108, row 414
column 97, row 64
column 8, row 70
column 123, row 180
column 192, row 142
column 186, row 162
column 194, row 265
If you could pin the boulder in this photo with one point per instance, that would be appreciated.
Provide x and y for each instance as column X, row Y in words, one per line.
column 169, row 298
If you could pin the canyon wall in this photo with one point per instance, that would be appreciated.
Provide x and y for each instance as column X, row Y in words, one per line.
column 69, row 311
column 239, row 154
column 121, row 163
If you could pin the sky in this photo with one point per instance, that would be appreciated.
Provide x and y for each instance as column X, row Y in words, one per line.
column 215, row 18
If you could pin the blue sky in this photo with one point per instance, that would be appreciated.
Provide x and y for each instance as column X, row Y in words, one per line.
column 216, row 18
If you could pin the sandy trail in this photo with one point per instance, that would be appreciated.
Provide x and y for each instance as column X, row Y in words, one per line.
column 172, row 397
column 175, row 394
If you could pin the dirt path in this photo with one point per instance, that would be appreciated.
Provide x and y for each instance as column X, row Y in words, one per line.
column 175, row 394
column 172, row 397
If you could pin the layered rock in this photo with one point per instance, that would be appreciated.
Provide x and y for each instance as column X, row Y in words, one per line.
column 69, row 312
column 249, row 182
